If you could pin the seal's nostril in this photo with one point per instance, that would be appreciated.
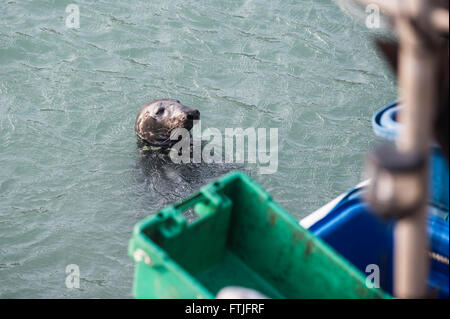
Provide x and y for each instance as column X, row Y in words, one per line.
column 194, row 115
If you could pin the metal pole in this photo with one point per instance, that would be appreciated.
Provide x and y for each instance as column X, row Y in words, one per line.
column 417, row 23
column 416, row 89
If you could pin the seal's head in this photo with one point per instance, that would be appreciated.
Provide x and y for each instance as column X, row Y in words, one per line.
column 156, row 121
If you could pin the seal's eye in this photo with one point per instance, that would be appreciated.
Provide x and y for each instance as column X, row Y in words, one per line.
column 160, row 111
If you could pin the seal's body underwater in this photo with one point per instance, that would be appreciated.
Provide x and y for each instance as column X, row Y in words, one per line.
column 161, row 175
column 156, row 121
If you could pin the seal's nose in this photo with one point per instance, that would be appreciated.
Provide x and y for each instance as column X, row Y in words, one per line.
column 193, row 115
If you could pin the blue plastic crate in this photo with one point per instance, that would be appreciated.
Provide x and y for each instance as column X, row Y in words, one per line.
column 385, row 125
column 357, row 234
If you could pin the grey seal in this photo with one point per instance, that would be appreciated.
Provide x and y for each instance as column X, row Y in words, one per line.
column 157, row 119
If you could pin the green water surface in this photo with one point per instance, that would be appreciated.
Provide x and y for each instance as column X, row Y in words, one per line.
column 71, row 183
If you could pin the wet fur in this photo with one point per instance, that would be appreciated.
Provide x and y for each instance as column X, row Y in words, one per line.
column 157, row 120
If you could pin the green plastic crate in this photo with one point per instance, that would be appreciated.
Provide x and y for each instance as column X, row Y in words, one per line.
column 241, row 238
